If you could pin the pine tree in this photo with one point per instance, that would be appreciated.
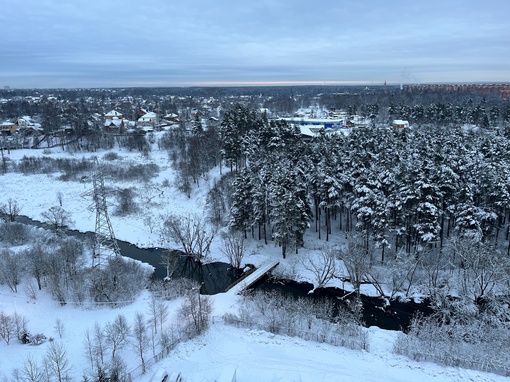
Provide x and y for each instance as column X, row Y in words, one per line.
column 241, row 210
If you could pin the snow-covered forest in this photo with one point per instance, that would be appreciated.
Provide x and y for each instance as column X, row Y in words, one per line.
column 409, row 214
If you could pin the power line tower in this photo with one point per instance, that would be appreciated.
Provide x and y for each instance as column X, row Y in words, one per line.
column 105, row 244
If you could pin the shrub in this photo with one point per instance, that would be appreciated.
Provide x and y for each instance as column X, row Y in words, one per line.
column 14, row 233
column 120, row 281
column 126, row 204
column 111, row 156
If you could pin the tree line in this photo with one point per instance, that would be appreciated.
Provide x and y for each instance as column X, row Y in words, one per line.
column 404, row 190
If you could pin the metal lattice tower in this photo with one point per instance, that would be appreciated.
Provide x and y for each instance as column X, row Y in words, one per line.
column 105, row 244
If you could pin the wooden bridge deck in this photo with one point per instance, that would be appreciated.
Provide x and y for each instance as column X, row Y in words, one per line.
column 253, row 277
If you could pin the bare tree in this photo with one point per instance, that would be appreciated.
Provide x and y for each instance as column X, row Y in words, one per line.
column 37, row 258
column 484, row 270
column 99, row 345
column 117, row 333
column 195, row 311
column 59, row 327
column 407, row 271
column 7, row 327
column 71, row 255
column 192, row 233
column 88, row 346
column 322, row 265
column 57, row 362
column 141, row 336
column 10, row 210
column 153, row 313
column 234, row 248
column 162, row 312
column 356, row 262
column 20, row 325
column 170, row 260
column 10, row 269
column 60, row 198
column 150, row 222
column 31, row 371
column 57, row 217
column 158, row 314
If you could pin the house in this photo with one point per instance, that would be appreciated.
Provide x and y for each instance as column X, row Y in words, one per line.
column 168, row 121
column 114, row 125
column 149, row 118
column 400, row 124
column 171, row 118
column 26, row 126
column 113, row 114
column 8, row 128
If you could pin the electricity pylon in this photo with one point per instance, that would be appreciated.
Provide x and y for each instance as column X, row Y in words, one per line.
column 105, row 244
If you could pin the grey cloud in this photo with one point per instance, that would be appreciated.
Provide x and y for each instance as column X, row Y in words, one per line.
column 118, row 41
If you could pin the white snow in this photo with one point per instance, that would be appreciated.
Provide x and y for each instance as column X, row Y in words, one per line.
column 256, row 355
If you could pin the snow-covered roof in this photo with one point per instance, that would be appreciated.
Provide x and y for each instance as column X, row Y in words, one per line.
column 115, row 121
column 149, row 116
column 113, row 113
column 310, row 130
column 400, row 122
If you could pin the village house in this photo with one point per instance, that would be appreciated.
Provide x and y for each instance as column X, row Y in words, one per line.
column 8, row 128
column 148, row 118
column 113, row 115
column 171, row 118
column 115, row 123
column 168, row 121
column 400, row 124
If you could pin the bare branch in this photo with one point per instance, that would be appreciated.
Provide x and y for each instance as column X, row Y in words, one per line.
column 322, row 265
column 233, row 248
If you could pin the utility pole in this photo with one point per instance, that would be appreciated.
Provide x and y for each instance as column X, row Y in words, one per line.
column 105, row 244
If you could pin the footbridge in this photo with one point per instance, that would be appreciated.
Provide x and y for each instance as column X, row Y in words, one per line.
column 252, row 277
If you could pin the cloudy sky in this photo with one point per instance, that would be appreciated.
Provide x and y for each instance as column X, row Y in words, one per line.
column 111, row 43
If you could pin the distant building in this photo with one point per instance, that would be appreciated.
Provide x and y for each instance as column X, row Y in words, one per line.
column 114, row 122
column 168, row 120
column 400, row 124
column 114, row 125
column 114, row 115
column 8, row 128
column 326, row 123
column 149, row 118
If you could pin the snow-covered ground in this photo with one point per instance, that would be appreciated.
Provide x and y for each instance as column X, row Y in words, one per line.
column 258, row 356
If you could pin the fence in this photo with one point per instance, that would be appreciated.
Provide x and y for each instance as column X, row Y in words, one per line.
column 360, row 343
column 139, row 370
column 449, row 360
column 336, row 339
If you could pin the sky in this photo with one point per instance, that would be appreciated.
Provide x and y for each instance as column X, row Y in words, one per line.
column 121, row 43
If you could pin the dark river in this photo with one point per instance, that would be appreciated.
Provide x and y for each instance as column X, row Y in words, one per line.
column 215, row 277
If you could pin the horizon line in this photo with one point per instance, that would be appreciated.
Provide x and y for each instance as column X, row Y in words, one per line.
column 262, row 84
